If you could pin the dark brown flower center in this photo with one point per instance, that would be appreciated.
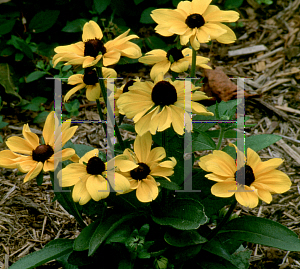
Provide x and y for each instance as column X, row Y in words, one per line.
column 175, row 53
column 42, row 153
column 141, row 172
column 90, row 76
column 127, row 85
column 245, row 175
column 194, row 21
column 95, row 166
column 164, row 94
column 92, row 47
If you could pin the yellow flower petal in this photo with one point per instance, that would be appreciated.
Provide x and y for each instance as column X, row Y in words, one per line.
column 80, row 193
column 87, row 156
column 93, row 92
column 49, row 127
column 142, row 146
column 222, row 16
column 19, row 145
column 32, row 138
column 161, row 67
column 91, row 30
column 73, row 90
column 120, row 183
column 147, row 191
column 224, row 189
column 199, row 6
column 247, row 198
column 73, row 173
column 156, row 155
column 75, row 79
column 97, row 187
column 213, row 30
column 228, row 37
column 34, row 171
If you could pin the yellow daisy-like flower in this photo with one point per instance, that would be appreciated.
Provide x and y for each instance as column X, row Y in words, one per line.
column 261, row 179
column 196, row 21
column 89, row 81
column 123, row 89
column 91, row 49
column 89, row 178
column 30, row 157
column 142, row 165
column 175, row 59
column 154, row 106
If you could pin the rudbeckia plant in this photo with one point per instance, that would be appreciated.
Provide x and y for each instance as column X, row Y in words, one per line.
column 154, row 106
column 29, row 156
column 249, row 181
column 150, row 201
column 91, row 49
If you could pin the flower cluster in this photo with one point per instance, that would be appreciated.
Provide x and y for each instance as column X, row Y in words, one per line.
column 154, row 106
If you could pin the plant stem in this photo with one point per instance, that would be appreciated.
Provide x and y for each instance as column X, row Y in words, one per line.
column 220, row 138
column 104, row 93
column 101, row 115
column 193, row 68
column 223, row 222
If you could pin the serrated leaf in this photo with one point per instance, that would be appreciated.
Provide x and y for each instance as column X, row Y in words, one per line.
column 261, row 231
column 43, row 20
column 101, row 5
column 182, row 214
column 51, row 251
column 145, row 16
column 35, row 75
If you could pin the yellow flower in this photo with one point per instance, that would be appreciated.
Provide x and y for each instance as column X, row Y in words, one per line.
column 89, row 178
column 89, row 81
column 154, row 106
column 124, row 88
column 196, row 21
column 30, row 157
column 91, row 49
column 142, row 165
column 261, row 179
column 175, row 59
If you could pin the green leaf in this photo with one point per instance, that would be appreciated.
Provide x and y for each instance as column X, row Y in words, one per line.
column 233, row 4
column 101, row 5
column 35, row 104
column 127, row 127
column 2, row 123
column 40, row 118
column 35, row 75
column 261, row 231
column 82, row 241
column 175, row 2
column 7, row 82
column 74, row 26
column 24, row 47
column 145, row 16
column 105, row 229
column 43, row 20
column 154, row 42
column 138, row 1
column 255, row 142
column 51, row 251
column 167, row 184
column 39, row 178
column 202, row 141
column 182, row 214
column 65, row 199
column 81, row 149
column 72, row 106
column 183, row 238
column 63, row 260
column 6, row 26
column 19, row 56
column 7, row 51
column 120, row 235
